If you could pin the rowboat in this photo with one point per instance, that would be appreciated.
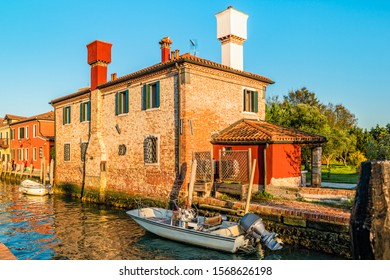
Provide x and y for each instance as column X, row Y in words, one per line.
column 34, row 188
column 184, row 225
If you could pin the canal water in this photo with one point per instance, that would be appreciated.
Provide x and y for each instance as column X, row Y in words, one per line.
column 63, row 228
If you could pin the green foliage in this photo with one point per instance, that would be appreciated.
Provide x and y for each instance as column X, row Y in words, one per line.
column 356, row 159
column 263, row 195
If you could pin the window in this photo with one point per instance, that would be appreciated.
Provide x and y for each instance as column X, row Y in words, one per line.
column 12, row 154
column 12, row 134
column 21, row 133
column 151, row 96
column 151, row 149
column 34, row 131
column 122, row 102
column 85, row 111
column 26, row 132
column 20, row 155
column 26, row 154
column 66, row 152
column 34, row 154
column 66, row 115
column 250, row 101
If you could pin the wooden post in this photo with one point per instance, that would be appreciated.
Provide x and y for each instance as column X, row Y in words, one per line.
column 41, row 172
column 44, row 171
column 249, row 195
column 31, row 170
column 51, row 172
column 192, row 182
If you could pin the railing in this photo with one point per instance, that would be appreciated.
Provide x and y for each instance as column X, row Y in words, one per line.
column 4, row 143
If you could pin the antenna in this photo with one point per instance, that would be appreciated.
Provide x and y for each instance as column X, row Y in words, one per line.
column 194, row 47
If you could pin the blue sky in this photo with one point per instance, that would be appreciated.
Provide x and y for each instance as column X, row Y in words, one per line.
column 338, row 49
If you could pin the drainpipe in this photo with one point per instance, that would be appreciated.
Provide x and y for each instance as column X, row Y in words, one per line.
column 178, row 120
column 265, row 165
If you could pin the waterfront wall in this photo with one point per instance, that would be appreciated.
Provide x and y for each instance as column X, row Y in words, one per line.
column 370, row 219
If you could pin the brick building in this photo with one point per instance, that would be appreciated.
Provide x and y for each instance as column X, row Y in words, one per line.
column 136, row 134
column 32, row 139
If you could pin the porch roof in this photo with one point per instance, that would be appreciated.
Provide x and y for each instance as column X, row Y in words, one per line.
column 247, row 131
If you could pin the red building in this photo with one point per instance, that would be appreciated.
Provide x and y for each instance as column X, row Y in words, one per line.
column 32, row 140
column 277, row 151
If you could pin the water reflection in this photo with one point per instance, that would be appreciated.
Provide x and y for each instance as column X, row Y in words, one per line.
column 64, row 228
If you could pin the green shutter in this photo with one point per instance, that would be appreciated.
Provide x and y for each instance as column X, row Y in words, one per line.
column 157, row 94
column 63, row 115
column 116, row 104
column 147, row 97
column 89, row 110
column 243, row 100
column 81, row 111
column 126, row 101
column 69, row 121
column 143, row 98
column 256, row 102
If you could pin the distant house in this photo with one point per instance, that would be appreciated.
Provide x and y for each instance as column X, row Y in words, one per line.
column 5, row 135
column 32, row 139
column 136, row 134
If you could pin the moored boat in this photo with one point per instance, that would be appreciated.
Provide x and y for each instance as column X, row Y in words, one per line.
column 184, row 225
column 34, row 188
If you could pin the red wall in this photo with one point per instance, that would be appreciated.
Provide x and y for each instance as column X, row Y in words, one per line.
column 283, row 161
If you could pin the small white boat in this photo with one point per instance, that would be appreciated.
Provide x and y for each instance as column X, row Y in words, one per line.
column 34, row 188
column 184, row 226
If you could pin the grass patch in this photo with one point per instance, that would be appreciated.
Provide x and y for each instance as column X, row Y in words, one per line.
column 338, row 173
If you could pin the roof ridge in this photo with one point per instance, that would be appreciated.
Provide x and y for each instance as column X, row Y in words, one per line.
column 263, row 130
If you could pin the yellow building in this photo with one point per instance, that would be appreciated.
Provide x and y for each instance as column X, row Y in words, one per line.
column 5, row 135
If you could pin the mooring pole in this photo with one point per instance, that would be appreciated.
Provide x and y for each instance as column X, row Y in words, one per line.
column 249, row 195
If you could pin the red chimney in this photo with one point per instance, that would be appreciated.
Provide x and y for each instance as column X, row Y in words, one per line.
column 165, row 48
column 99, row 56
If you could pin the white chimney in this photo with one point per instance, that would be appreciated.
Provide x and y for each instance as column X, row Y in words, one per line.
column 231, row 32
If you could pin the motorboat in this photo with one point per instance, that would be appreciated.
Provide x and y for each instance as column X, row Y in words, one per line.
column 184, row 225
column 34, row 188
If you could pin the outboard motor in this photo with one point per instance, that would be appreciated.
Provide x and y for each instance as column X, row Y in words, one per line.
column 253, row 226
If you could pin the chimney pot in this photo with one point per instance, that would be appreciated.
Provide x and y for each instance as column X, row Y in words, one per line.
column 113, row 76
column 176, row 54
column 172, row 55
column 99, row 56
column 165, row 48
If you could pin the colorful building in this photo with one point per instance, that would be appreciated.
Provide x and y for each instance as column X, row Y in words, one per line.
column 5, row 136
column 32, row 140
column 136, row 134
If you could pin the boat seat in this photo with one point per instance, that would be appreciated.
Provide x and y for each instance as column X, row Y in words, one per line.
column 212, row 221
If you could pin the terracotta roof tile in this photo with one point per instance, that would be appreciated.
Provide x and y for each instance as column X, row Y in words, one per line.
column 254, row 131
column 48, row 116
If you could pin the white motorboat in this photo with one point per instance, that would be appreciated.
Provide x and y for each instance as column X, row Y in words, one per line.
column 34, row 188
column 185, row 226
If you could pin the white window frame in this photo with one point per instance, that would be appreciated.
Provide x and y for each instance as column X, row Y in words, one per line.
column 35, row 154
column 34, row 131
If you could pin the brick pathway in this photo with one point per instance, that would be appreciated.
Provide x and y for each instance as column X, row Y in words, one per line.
column 5, row 253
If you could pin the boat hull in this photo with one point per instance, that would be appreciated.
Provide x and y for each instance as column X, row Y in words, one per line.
column 189, row 236
column 33, row 188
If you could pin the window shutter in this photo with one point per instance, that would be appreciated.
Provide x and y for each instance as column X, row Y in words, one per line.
column 116, row 104
column 63, row 115
column 143, row 98
column 69, row 121
column 158, row 94
column 255, row 102
column 89, row 111
column 81, row 111
column 147, row 99
column 126, row 101
column 243, row 100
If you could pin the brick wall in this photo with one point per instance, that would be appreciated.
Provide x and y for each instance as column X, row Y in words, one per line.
column 210, row 100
